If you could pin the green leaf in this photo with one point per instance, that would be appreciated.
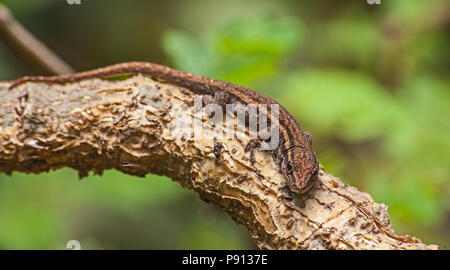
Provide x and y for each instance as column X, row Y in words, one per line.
column 188, row 53
column 243, row 51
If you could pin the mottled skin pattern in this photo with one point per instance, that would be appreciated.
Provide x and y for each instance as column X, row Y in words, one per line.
column 294, row 154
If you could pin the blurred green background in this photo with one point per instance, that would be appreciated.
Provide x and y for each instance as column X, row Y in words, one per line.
column 370, row 82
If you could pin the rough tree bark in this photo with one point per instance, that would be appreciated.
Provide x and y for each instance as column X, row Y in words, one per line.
column 132, row 125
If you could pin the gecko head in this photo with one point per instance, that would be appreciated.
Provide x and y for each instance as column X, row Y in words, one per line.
column 300, row 167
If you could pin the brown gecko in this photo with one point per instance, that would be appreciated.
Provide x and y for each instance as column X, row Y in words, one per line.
column 294, row 153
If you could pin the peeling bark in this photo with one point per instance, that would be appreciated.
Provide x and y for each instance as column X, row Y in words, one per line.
column 131, row 125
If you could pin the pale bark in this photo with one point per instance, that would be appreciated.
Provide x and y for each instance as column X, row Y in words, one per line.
column 130, row 125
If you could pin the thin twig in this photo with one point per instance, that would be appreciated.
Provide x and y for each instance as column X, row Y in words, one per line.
column 29, row 48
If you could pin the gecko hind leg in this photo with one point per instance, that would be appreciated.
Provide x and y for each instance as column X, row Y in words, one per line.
column 250, row 147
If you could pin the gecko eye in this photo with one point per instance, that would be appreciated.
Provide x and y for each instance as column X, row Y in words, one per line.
column 289, row 167
column 315, row 174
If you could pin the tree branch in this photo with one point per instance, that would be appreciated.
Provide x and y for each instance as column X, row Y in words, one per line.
column 27, row 47
column 131, row 125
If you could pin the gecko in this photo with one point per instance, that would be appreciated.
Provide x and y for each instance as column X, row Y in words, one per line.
column 294, row 154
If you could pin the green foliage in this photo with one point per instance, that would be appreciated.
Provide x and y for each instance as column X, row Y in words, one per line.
column 353, row 43
column 243, row 51
column 340, row 103
column 45, row 211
